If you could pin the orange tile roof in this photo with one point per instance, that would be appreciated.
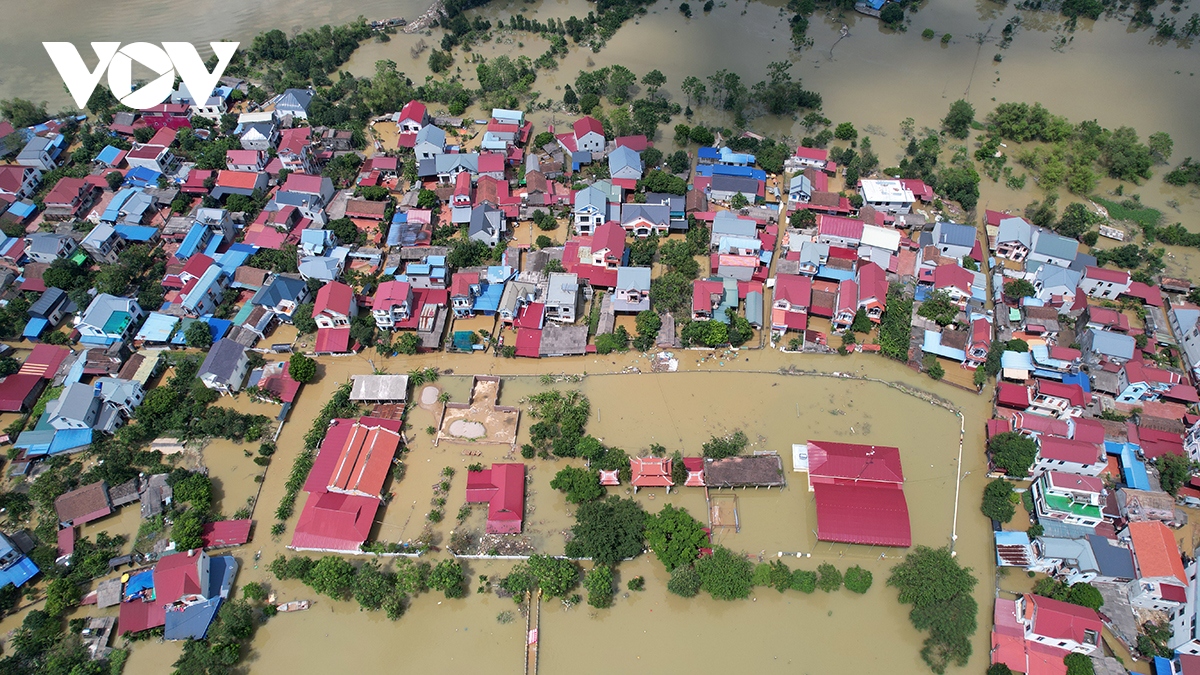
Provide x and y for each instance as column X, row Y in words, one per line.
column 1156, row 551
column 237, row 179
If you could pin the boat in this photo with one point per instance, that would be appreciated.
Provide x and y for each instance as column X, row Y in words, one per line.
column 294, row 606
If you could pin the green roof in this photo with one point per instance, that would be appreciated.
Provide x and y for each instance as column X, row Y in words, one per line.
column 1068, row 505
column 117, row 323
column 79, row 258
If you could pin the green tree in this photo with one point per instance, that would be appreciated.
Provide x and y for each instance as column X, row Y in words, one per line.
column 254, row 591
column 1174, row 470
column 730, row 445
column 1013, row 453
column 448, row 577
column 678, row 162
column 187, row 530
column 61, row 595
column 725, row 575
column 1019, row 288
column 198, row 335
column 829, row 579
column 301, row 368
column 303, row 319
column 939, row 307
column 804, row 581
column 114, row 179
column 608, row 531
column 958, row 121
column 440, row 61
column 939, row 590
column 997, row 501
column 675, row 537
column 192, row 488
column 580, row 485
column 862, row 323
column 684, row 581
column 23, row 113
column 555, row 576
column 845, row 132
column 892, row 14
column 1161, row 145
column 801, row 219
column 408, row 343
column 598, row 583
column 1079, row 664
column 332, row 576
column 999, row 669
column 858, row 580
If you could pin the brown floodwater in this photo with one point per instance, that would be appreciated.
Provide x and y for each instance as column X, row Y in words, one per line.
column 680, row 411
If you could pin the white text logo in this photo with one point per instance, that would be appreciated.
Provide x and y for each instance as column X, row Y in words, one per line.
column 172, row 57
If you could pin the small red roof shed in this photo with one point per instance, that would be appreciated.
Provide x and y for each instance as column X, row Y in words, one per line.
column 503, row 488
column 651, row 472
column 226, row 533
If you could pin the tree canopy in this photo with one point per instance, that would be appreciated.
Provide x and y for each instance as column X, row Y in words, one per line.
column 580, row 485
column 725, row 575
column 1013, row 453
column 939, row 590
column 608, row 531
column 997, row 501
column 674, row 536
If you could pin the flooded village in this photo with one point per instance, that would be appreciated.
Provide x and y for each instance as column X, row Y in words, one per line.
column 411, row 341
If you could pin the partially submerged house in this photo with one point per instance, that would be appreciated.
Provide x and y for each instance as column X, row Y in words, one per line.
column 502, row 488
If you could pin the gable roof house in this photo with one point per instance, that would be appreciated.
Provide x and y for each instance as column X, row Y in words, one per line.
column 69, row 198
column 872, row 290
column 800, row 191
column 1053, row 249
column 83, row 505
column 430, row 142
column 109, row 319
column 859, row 492
column 596, row 258
column 632, row 292
column 1103, row 345
column 225, row 367
column 591, row 210
column 295, row 102
column 46, row 247
column 1140, row 382
column 103, row 244
column 486, row 224
column 1065, row 455
column 260, row 135
column 1162, row 581
column 393, row 303
column 502, row 487
column 839, row 231
column 245, row 160
column 464, row 288
column 951, row 239
column 1098, row 282
column 334, row 306
column 42, row 152
column 1060, row 625
column 724, row 186
column 282, row 295
column 789, row 308
column 624, row 163
column 51, row 306
column 1014, row 239
column 412, row 117
column 587, row 135
column 19, row 182
column 1185, row 324
column 643, row 220
column 206, row 294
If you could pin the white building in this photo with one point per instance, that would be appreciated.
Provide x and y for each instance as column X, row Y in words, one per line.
column 887, row 195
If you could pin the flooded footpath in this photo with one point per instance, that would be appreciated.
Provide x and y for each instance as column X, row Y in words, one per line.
column 810, row 633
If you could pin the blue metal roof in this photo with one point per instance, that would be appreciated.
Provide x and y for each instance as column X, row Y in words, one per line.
column 213, row 244
column 157, row 328
column 19, row 573
column 108, row 155
column 22, row 209
column 69, row 440
column 233, row 258
column 141, row 175
column 204, row 284
column 707, row 152
column 1132, row 467
column 488, row 300
column 219, row 327
column 825, row 272
column 1080, row 379
column 196, row 237
column 34, row 328
column 933, row 345
column 180, row 338
column 136, row 232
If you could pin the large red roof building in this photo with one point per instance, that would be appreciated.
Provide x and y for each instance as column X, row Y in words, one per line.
column 859, row 491
column 502, row 487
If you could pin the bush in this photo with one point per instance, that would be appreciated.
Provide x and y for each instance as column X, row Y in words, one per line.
column 829, row 579
column 580, row 485
column 804, row 581
column 637, row 584
column 599, row 585
column 858, row 580
column 927, row 33
column 725, row 575
column 448, row 577
column 684, row 582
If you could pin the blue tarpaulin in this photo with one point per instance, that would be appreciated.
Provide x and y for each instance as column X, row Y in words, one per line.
column 139, row 582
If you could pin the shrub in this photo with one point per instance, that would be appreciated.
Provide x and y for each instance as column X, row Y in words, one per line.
column 829, row 579
column 804, row 581
column 858, row 580
column 684, row 582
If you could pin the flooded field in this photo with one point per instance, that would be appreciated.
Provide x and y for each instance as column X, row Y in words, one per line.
column 680, row 411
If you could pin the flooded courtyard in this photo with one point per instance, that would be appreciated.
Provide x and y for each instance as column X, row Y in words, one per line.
column 812, row 633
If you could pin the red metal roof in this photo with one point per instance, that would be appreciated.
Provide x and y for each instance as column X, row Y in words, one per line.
column 1102, row 274
column 995, row 427
column 226, row 533
column 335, row 297
column 872, row 282
column 1040, row 424
column 795, row 288
column 1064, row 353
column 531, row 316
column 837, row 226
column 333, row 340
column 1061, row 620
column 45, row 360
column 1067, row 450
column 16, row 389
column 503, row 488
column 491, row 163
column 651, row 471
column 1088, row 430
column 138, row 616
column 392, row 293
column 413, row 110
column 854, row 462
column 636, row 143
column 953, row 276
column 300, row 182
column 461, row 282
column 1072, row 392
column 1013, row 395
column 861, row 514
column 65, row 191
column 365, row 459
column 335, row 522
column 1151, row 295
column 847, row 296
column 177, row 576
column 529, row 342
column 586, row 124
column 695, row 471
column 815, row 154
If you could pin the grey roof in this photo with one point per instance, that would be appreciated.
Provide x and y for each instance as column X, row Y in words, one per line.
column 115, row 388
column 379, row 388
column 99, row 234
column 1054, row 245
column 1073, row 550
column 1113, row 561
column 563, row 289
column 222, row 360
column 560, row 340
column 278, row 289
column 1051, row 276
column 754, row 308
column 1015, row 229
column 726, row 223
column 952, row 234
column 468, row 161
column 487, row 220
column 431, row 134
column 103, row 306
column 47, row 243
column 46, row 304
column 1112, row 344
column 800, row 183
column 624, row 157
column 590, row 196
column 264, row 129
column 75, row 401
column 674, row 202
column 34, row 147
column 724, row 183
column 634, row 278
column 659, row 214
column 317, row 267
column 515, row 291
column 295, row 98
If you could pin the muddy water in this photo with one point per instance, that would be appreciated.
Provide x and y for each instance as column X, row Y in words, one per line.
column 631, row 411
